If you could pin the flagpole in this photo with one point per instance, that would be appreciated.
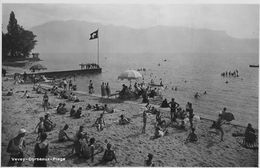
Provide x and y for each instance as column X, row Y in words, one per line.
column 98, row 50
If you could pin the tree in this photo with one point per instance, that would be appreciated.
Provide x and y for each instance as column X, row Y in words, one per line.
column 17, row 42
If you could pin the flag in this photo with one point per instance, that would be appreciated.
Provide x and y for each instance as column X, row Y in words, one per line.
column 94, row 35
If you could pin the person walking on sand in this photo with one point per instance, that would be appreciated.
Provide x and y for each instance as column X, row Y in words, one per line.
column 45, row 101
column 144, row 121
column 108, row 90
column 41, row 151
column 16, row 148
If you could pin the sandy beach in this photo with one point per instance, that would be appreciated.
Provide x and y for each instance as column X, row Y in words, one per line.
column 130, row 145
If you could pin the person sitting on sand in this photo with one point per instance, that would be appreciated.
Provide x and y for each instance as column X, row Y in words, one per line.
column 87, row 150
column 100, row 123
column 10, row 93
column 63, row 135
column 48, row 124
column 78, row 113
column 62, row 109
column 181, row 126
column 159, row 121
column 59, row 107
column 109, row 155
column 77, row 146
column 149, row 161
column 88, row 107
column 250, row 136
column 75, row 98
column 72, row 111
column 16, row 147
column 108, row 110
column 164, row 103
column 41, row 151
column 26, row 95
column 123, row 120
column 159, row 132
column 192, row 137
column 40, row 127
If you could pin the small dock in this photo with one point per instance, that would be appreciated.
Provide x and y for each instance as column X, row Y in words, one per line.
column 85, row 69
column 69, row 72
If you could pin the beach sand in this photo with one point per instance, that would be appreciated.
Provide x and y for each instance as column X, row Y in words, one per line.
column 130, row 145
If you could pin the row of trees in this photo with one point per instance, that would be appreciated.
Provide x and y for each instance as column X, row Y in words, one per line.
column 17, row 42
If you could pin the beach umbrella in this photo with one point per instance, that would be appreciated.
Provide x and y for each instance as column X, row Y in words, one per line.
column 37, row 67
column 129, row 75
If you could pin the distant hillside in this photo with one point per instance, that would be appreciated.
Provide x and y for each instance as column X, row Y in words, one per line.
column 73, row 37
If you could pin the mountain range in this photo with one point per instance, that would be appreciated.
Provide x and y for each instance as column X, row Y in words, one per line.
column 73, row 37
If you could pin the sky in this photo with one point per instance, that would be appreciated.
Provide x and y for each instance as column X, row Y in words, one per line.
column 237, row 20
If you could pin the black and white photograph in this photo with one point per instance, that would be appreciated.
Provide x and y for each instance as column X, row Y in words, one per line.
column 121, row 84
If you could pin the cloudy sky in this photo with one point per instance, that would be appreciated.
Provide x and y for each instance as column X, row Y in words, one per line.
column 238, row 20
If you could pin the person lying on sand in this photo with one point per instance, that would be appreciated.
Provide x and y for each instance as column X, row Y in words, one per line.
column 40, row 127
column 78, row 113
column 16, row 147
column 149, row 162
column 98, row 107
column 108, row 110
column 26, row 95
column 100, row 123
column 63, row 136
column 72, row 111
column 123, row 120
column 109, row 155
column 192, row 137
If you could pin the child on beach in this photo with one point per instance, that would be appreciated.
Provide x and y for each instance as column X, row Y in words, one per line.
column 78, row 113
column 100, row 123
column 72, row 111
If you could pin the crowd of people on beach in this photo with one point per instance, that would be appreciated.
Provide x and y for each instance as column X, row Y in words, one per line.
column 87, row 147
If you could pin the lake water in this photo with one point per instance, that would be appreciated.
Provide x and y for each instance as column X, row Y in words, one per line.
column 201, row 71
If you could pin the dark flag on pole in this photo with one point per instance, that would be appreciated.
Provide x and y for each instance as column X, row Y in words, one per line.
column 94, row 35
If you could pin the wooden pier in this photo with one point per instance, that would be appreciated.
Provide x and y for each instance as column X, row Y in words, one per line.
column 69, row 72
